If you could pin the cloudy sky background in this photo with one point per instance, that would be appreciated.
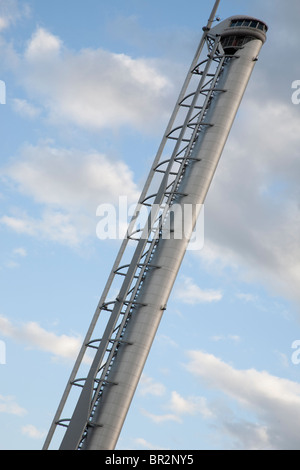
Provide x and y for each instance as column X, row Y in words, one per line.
column 89, row 89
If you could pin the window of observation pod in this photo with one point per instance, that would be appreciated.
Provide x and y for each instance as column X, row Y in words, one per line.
column 249, row 24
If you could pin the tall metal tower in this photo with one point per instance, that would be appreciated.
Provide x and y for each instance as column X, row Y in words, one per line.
column 149, row 258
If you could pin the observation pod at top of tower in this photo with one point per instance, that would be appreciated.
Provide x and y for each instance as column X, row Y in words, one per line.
column 236, row 31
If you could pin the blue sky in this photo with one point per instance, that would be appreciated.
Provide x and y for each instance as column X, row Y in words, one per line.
column 89, row 89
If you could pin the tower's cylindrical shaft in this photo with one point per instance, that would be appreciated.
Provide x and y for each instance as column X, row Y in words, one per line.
column 140, row 332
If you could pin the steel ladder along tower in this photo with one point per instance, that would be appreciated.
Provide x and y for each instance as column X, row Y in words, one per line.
column 147, row 263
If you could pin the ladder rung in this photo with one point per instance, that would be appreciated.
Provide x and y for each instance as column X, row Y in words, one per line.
column 61, row 422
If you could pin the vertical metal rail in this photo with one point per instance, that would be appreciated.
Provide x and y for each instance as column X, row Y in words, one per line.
column 135, row 273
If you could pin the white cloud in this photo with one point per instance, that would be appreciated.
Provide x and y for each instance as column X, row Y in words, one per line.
column 52, row 225
column 158, row 419
column 11, row 11
column 25, row 109
column 188, row 292
column 149, row 386
column 66, row 178
column 246, row 297
column 33, row 335
column 32, row 432
column 146, row 444
column 178, row 407
column 68, row 185
column 190, row 405
column 20, row 252
column 274, row 401
column 3, row 22
column 11, row 264
column 252, row 211
column 42, row 46
column 15, row 224
column 235, row 338
column 94, row 89
column 167, row 341
column 8, row 405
